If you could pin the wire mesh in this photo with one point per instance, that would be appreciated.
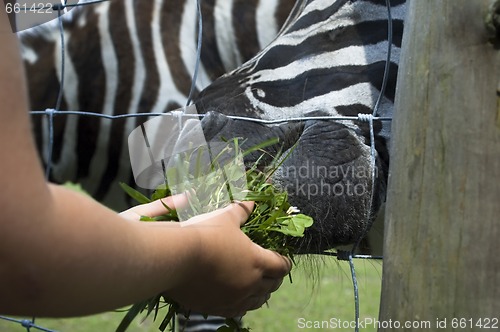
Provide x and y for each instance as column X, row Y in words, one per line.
column 341, row 255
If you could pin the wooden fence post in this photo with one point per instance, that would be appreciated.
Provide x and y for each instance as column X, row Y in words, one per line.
column 442, row 227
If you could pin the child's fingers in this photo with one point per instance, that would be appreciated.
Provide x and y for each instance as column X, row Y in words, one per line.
column 156, row 208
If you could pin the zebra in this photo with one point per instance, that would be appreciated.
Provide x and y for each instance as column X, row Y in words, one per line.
column 131, row 56
column 328, row 60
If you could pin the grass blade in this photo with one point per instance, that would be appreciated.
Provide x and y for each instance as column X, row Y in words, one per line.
column 139, row 197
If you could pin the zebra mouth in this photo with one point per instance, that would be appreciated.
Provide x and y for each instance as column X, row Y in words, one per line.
column 275, row 140
column 314, row 161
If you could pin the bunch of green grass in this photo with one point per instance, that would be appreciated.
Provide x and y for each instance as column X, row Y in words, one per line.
column 273, row 223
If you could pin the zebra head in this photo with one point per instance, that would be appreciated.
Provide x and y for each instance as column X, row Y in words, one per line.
column 328, row 60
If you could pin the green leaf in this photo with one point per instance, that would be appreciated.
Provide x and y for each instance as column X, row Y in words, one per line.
column 131, row 314
column 140, row 198
column 172, row 310
column 296, row 225
column 146, row 218
column 261, row 146
column 163, row 217
column 303, row 220
column 161, row 192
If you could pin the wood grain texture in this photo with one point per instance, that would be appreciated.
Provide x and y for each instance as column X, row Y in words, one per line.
column 442, row 227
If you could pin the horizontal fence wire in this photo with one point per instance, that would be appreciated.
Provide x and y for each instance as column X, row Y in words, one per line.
column 360, row 117
column 341, row 255
column 27, row 323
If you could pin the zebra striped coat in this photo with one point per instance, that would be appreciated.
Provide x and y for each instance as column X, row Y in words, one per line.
column 131, row 56
column 329, row 60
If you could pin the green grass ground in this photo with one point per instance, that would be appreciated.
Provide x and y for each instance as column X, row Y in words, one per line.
column 329, row 297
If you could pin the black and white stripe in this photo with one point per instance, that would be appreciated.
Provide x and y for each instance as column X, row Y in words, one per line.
column 132, row 56
column 329, row 60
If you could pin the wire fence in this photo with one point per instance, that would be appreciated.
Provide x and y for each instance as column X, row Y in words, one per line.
column 342, row 255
